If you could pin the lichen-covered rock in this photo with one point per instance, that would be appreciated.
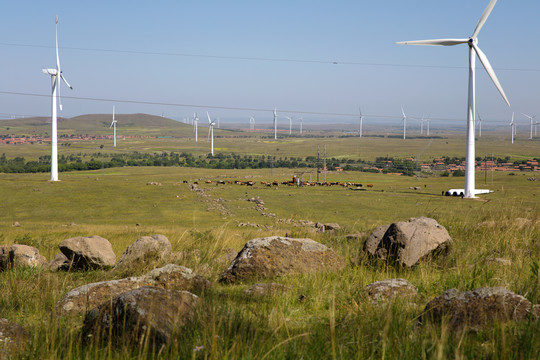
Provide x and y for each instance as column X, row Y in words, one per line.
column 145, row 249
column 478, row 308
column 24, row 255
column 276, row 255
column 89, row 296
column 373, row 241
column 12, row 339
column 383, row 290
column 92, row 252
column 406, row 242
column 145, row 315
column 265, row 289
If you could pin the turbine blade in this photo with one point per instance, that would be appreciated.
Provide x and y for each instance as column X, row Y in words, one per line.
column 63, row 78
column 483, row 58
column 57, row 56
column 530, row 117
column 435, row 42
column 403, row 112
column 209, row 121
column 483, row 18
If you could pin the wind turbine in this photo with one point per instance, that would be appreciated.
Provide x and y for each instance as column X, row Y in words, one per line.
column 361, row 122
column 404, row 122
column 218, row 123
column 211, row 133
column 427, row 120
column 113, row 125
column 472, row 42
column 532, row 125
column 252, row 123
column 290, row 124
column 275, row 124
column 479, row 124
column 301, row 124
column 513, row 127
column 55, row 75
column 195, row 123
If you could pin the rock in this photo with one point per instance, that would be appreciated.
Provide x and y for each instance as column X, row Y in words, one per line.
column 383, row 290
column 227, row 256
column 16, row 224
column 499, row 261
column 357, row 236
column 24, row 255
column 92, row 252
column 60, row 262
column 478, row 308
column 147, row 314
column 4, row 257
column 177, row 278
column 276, row 255
column 327, row 227
column 12, row 339
column 265, row 289
column 89, row 296
column 373, row 241
column 406, row 242
column 145, row 249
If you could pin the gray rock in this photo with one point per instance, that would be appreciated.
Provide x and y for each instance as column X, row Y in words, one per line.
column 145, row 315
column 373, row 241
column 383, row 290
column 276, row 255
column 24, row 255
column 406, row 242
column 60, row 262
column 177, row 278
column 4, row 257
column 478, row 308
column 13, row 339
column 92, row 252
column 144, row 250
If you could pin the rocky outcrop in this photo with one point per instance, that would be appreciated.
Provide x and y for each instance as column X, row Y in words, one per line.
column 479, row 308
column 406, row 242
column 145, row 249
column 85, row 253
column 276, row 255
column 19, row 256
column 388, row 289
column 89, row 296
column 145, row 315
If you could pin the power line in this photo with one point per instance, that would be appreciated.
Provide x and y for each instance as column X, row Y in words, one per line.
column 217, row 107
column 250, row 58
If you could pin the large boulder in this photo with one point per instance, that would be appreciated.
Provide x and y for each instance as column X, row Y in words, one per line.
column 146, row 315
column 146, row 248
column 92, row 252
column 89, row 296
column 59, row 262
column 373, row 241
column 406, row 242
column 276, row 255
column 479, row 308
column 12, row 339
column 389, row 289
column 24, row 255
column 4, row 257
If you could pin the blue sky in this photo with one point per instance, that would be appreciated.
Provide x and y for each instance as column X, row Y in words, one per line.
column 362, row 32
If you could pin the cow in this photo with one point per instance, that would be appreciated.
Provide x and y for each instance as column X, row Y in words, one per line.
column 369, row 185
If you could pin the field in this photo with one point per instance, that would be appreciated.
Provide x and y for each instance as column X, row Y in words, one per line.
column 335, row 320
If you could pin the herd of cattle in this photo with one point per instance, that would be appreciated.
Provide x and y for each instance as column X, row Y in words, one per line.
column 277, row 183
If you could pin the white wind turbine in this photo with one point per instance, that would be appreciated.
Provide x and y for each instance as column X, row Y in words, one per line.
column 427, row 120
column 472, row 42
column 532, row 124
column 195, row 125
column 513, row 127
column 113, row 125
column 404, row 122
column 252, row 123
column 301, row 124
column 479, row 124
column 361, row 122
column 55, row 74
column 211, row 133
column 290, row 124
column 275, row 124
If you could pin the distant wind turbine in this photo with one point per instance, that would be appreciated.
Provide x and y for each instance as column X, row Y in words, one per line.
column 252, row 123
column 404, row 123
column 113, row 125
column 290, row 124
column 361, row 122
column 513, row 128
column 532, row 124
column 275, row 124
column 479, row 124
column 55, row 75
column 195, row 125
column 472, row 42
column 211, row 133
column 301, row 124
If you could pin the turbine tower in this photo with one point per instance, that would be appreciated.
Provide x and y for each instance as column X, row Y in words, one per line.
column 404, row 123
column 195, row 123
column 211, row 133
column 56, row 75
column 513, row 127
column 301, row 125
column 275, row 124
column 361, row 122
column 532, row 125
column 479, row 124
column 252, row 123
column 472, row 42
column 290, row 124
column 113, row 125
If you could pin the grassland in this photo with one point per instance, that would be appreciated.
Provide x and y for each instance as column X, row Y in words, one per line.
column 335, row 320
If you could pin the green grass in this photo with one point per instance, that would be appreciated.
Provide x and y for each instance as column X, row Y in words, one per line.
column 335, row 320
